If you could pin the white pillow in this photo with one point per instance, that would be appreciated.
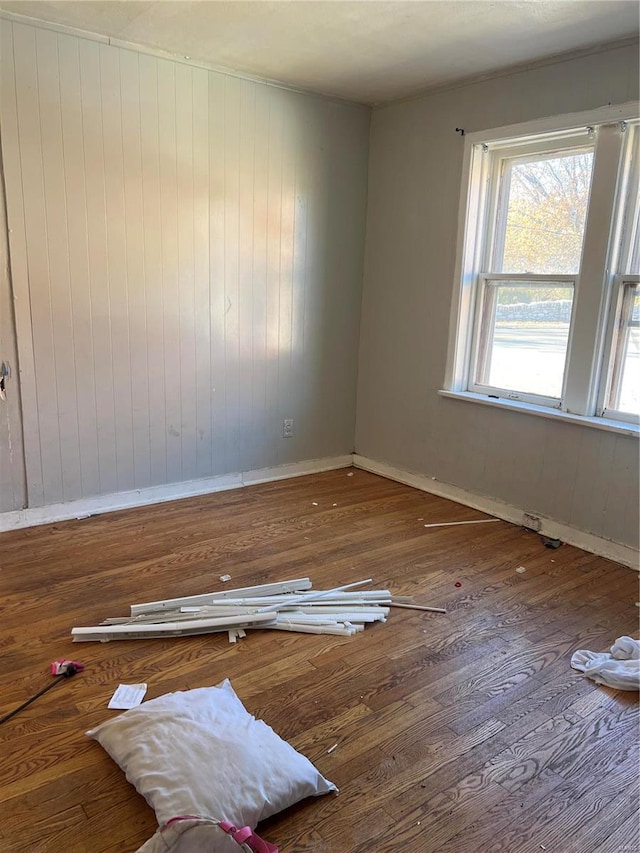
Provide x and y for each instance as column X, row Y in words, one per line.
column 199, row 752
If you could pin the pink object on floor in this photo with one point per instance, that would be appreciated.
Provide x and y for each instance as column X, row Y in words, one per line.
column 247, row 836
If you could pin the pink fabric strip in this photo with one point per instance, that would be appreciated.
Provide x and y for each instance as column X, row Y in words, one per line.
column 180, row 817
column 247, row 836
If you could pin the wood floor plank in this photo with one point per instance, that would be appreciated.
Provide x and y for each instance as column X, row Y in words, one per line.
column 555, row 820
column 438, row 819
column 592, row 832
column 366, row 830
column 491, row 823
column 524, row 822
column 462, row 732
column 625, row 838
column 64, row 831
column 401, row 764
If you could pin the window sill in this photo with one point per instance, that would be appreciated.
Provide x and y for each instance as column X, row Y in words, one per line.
column 620, row 427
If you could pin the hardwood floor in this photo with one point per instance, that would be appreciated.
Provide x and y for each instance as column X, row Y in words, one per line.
column 465, row 732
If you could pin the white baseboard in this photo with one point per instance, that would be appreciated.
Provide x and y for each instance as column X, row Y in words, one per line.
column 296, row 469
column 85, row 507
column 615, row 551
column 33, row 516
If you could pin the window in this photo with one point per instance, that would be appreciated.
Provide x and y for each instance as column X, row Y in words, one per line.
column 624, row 388
column 523, row 336
column 549, row 269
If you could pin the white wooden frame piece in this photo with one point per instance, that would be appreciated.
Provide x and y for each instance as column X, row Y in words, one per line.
column 297, row 585
column 104, row 633
column 314, row 596
column 280, row 606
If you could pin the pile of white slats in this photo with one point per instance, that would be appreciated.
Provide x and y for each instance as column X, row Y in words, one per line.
column 286, row 606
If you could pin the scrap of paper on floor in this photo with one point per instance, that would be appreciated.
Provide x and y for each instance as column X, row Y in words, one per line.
column 127, row 696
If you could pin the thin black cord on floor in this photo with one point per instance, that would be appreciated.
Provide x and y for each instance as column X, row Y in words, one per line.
column 69, row 672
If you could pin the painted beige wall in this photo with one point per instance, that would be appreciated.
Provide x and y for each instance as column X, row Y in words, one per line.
column 583, row 477
column 187, row 261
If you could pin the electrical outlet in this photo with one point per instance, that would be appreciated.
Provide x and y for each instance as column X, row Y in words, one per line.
column 287, row 428
column 531, row 522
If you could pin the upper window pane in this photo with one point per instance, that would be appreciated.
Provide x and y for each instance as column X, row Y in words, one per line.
column 634, row 253
column 630, row 244
column 542, row 213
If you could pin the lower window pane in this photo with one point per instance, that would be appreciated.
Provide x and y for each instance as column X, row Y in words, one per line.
column 625, row 386
column 524, row 335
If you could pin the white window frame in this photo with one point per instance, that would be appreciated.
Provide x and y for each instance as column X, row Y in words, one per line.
column 587, row 369
column 620, row 283
column 495, row 391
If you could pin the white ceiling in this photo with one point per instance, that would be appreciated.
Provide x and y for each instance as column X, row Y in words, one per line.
column 368, row 51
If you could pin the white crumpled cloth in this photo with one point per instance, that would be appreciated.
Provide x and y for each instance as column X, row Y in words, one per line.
column 620, row 669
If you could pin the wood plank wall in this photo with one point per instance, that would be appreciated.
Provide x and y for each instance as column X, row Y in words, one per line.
column 187, row 260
